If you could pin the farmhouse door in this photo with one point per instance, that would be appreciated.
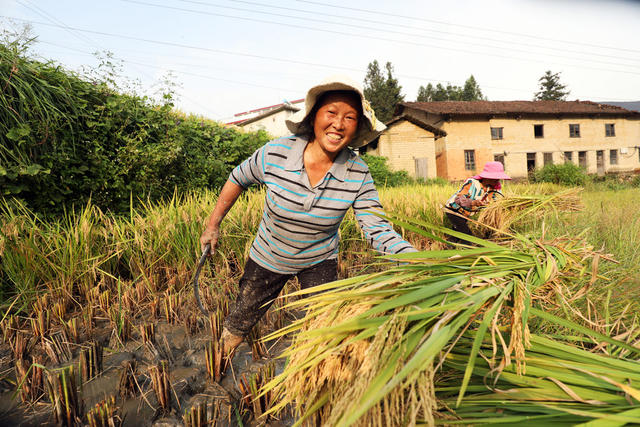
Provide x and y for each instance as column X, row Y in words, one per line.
column 582, row 159
column 421, row 168
column 531, row 164
column 600, row 162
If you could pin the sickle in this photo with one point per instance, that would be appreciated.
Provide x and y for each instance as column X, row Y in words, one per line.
column 196, row 291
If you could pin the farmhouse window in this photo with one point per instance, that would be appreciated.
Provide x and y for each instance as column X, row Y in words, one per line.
column 538, row 131
column 609, row 129
column 613, row 157
column 574, row 131
column 568, row 156
column 499, row 158
column 496, row 133
column 548, row 159
column 470, row 160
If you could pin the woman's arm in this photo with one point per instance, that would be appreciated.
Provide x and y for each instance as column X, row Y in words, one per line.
column 228, row 196
column 241, row 177
column 378, row 231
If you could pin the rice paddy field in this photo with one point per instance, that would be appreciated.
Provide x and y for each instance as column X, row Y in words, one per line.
column 100, row 326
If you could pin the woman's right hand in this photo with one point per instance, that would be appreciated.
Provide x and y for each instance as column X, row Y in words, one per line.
column 209, row 237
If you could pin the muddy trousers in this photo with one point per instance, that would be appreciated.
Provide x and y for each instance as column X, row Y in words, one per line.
column 259, row 286
column 459, row 224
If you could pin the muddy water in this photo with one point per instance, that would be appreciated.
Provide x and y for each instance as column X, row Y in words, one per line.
column 190, row 384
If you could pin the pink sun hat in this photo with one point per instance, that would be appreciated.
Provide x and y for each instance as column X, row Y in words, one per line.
column 492, row 170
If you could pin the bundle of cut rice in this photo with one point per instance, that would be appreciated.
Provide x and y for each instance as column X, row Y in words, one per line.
column 444, row 338
column 502, row 213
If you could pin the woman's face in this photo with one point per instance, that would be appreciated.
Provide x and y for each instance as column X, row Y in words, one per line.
column 491, row 182
column 336, row 122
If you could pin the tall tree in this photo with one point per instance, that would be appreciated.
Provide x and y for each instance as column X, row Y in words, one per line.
column 383, row 92
column 470, row 92
column 550, row 88
column 425, row 93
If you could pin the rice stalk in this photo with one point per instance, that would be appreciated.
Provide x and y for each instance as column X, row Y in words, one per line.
column 503, row 213
column 192, row 323
column 216, row 319
column 71, row 328
column 127, row 382
column 258, row 348
column 30, row 380
column 251, row 398
column 202, row 415
column 65, row 396
column 9, row 328
column 365, row 347
column 121, row 324
column 104, row 414
column 20, row 346
column 215, row 359
column 57, row 347
column 91, row 360
column 159, row 374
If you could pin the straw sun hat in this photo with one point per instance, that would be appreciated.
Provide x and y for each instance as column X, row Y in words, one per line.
column 367, row 131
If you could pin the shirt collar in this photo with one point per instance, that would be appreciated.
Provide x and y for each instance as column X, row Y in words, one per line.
column 339, row 168
column 295, row 161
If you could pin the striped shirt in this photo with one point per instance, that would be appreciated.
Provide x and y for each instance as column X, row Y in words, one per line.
column 300, row 223
column 472, row 189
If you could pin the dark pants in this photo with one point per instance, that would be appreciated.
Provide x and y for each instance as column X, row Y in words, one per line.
column 459, row 223
column 259, row 287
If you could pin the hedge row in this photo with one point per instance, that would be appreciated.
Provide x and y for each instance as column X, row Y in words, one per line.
column 66, row 140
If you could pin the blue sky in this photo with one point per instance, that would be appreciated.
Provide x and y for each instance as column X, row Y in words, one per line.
column 229, row 56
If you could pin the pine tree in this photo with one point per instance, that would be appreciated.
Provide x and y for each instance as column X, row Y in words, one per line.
column 550, row 88
column 471, row 91
column 383, row 92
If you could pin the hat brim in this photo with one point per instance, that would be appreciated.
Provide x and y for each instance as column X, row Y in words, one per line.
column 366, row 133
column 494, row 175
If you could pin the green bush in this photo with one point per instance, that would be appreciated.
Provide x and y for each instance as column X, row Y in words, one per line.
column 382, row 175
column 565, row 174
column 65, row 140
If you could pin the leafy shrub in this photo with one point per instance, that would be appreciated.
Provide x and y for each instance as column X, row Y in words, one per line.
column 382, row 175
column 613, row 182
column 565, row 174
column 65, row 140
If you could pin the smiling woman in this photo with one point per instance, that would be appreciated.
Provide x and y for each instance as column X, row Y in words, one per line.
column 312, row 179
column 335, row 123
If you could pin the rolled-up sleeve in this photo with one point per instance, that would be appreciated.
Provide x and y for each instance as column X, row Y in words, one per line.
column 251, row 171
column 378, row 231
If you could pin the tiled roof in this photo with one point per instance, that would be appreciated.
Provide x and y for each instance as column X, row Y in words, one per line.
column 629, row 105
column 269, row 113
column 468, row 108
column 436, row 131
